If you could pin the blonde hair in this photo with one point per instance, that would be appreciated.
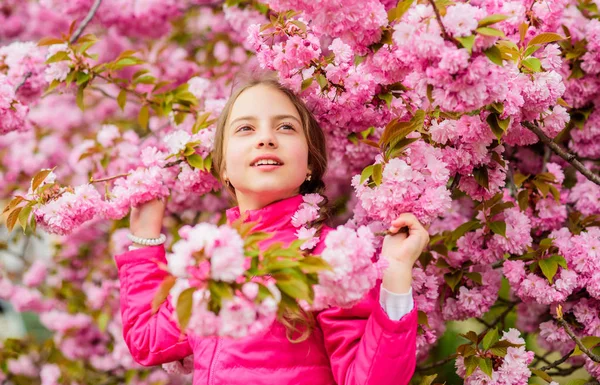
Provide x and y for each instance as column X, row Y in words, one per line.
column 300, row 321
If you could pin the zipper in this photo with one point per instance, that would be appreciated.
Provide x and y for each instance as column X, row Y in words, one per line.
column 211, row 378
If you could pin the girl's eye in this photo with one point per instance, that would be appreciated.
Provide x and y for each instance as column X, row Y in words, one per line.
column 287, row 127
column 244, row 128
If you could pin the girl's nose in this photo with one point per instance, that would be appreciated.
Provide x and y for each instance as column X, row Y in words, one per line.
column 267, row 139
column 266, row 143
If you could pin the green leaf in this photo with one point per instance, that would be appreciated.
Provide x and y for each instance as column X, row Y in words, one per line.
column 82, row 77
column 543, row 187
column 147, row 79
column 428, row 380
column 467, row 42
column 465, row 228
column 498, row 126
column 122, row 99
column 492, row 19
column 24, row 215
column 322, row 80
column 281, row 264
column 102, row 321
column 471, row 336
column 488, row 31
column 196, row 161
column 486, row 366
column 306, row 83
column 208, row 162
column 377, row 173
column 400, row 9
column 481, row 177
column 546, row 37
column 453, row 279
column 422, row 318
column 312, row 264
column 144, row 116
column 531, row 50
column 523, row 199
column 39, row 178
column 295, row 288
column 560, row 260
column 549, row 268
column 396, row 130
column 162, row 293
column 533, row 64
column 366, row 173
column 470, row 365
column 184, row 307
column 494, row 54
column 519, row 178
column 219, row 290
column 49, row 41
column 59, row 56
column 491, row 337
column 541, row 374
column 387, row 97
column 498, row 227
column 80, row 103
column 475, row 277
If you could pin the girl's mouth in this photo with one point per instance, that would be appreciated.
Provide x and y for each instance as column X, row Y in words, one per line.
column 267, row 167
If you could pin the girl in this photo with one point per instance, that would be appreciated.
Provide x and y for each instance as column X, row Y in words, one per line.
column 269, row 150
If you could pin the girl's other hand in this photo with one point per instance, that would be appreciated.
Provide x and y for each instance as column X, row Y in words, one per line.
column 146, row 220
column 401, row 251
column 402, row 247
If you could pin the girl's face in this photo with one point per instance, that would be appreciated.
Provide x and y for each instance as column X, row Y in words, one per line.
column 266, row 152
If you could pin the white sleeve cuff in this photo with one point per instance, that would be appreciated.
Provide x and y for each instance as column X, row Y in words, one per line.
column 396, row 305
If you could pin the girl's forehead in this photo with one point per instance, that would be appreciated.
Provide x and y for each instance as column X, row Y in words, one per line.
column 262, row 101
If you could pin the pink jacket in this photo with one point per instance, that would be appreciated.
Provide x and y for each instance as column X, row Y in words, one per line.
column 359, row 345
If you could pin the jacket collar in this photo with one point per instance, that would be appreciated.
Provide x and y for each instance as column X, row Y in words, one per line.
column 273, row 217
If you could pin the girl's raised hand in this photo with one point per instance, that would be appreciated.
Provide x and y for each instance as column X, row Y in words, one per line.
column 405, row 248
column 146, row 220
column 401, row 251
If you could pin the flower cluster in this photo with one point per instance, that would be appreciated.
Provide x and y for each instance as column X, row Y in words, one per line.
column 211, row 258
column 306, row 214
column 415, row 183
column 350, row 254
column 512, row 369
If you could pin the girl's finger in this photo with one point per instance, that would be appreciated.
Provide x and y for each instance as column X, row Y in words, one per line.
column 408, row 220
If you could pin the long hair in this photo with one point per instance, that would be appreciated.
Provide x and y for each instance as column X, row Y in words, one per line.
column 300, row 322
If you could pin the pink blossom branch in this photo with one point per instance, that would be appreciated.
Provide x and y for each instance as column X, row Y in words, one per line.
column 85, row 21
column 571, row 158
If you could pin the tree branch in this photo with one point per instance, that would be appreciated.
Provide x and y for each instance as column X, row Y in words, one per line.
column 557, row 362
column 569, row 331
column 436, row 364
column 438, row 17
column 25, row 77
column 85, row 21
column 571, row 158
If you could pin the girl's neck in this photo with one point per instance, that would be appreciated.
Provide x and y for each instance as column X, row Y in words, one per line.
column 258, row 201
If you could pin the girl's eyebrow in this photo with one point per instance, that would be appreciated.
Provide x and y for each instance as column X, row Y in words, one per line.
column 276, row 117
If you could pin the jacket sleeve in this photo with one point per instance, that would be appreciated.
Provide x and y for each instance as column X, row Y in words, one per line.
column 152, row 339
column 366, row 347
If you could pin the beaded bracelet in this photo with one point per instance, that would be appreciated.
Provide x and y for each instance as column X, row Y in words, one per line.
column 147, row 241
